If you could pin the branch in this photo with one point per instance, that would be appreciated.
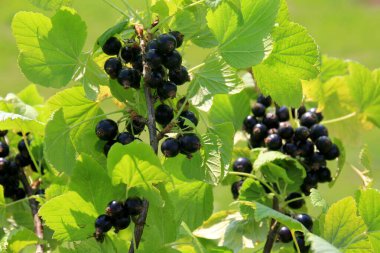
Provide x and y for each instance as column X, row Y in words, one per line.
column 139, row 228
column 271, row 237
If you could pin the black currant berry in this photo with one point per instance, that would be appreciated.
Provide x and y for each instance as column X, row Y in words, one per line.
column 152, row 45
column 282, row 113
column 308, row 119
column 170, row 147
column 271, row 120
column 273, row 142
column 324, row 144
column 103, row 223
column 13, row 168
column 180, row 104
column 301, row 133
column 248, row 123
column 112, row 46
column 189, row 143
column 126, row 54
column 115, row 208
column 295, row 201
column 306, row 188
column 164, row 114
column 305, row 219
column 311, row 179
column 129, row 78
column 112, row 67
column 166, row 44
column 125, row 138
column 258, row 110
column 106, row 129
column 172, row 60
column 21, row 146
column 319, row 114
column 136, row 125
column 301, row 244
column 153, row 79
column 4, row 149
column 290, row 149
column 187, row 115
column 137, row 64
column 153, row 59
column 305, row 148
column 266, row 101
column 121, row 223
column 107, row 146
column 167, row 90
column 242, row 164
column 272, row 131
column 4, row 165
column 301, row 111
column 133, row 206
column 285, row 130
column 179, row 76
column 284, row 235
column 178, row 37
column 324, row 175
column 316, row 161
column 333, row 153
column 255, row 144
column 259, row 132
column 22, row 161
column 3, row 133
column 235, row 188
column 317, row 131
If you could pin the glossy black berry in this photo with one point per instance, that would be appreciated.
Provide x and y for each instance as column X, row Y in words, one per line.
column 284, row 235
column 242, row 164
column 136, row 125
column 164, row 114
column 21, row 146
column 4, row 149
column 319, row 114
column 324, row 144
column 153, row 59
column 178, row 37
column 154, row 79
column 112, row 67
column 301, row 133
column 255, row 144
column 115, row 208
column 295, row 201
column 248, row 123
column 166, row 44
column 305, row 148
column 179, row 76
column 273, row 142
column 290, row 149
column 189, row 143
column 301, row 111
column 121, row 223
column 187, row 115
column 259, row 132
column 106, row 129
column 125, row 138
column 311, row 179
column 235, row 188
column 301, row 244
column 4, row 165
column 271, row 120
column 306, row 188
column 126, row 54
column 305, row 219
column 308, row 119
column 316, row 161
column 266, row 101
column 180, row 104
column 3, row 133
column 317, row 131
column 22, row 161
column 172, row 60
column 170, row 147
column 133, row 206
column 167, row 90
column 258, row 110
column 107, row 146
column 282, row 113
column 152, row 45
column 324, row 175
column 103, row 223
column 137, row 64
column 112, row 46
column 285, row 130
column 129, row 78
column 272, row 131
column 13, row 168
column 333, row 153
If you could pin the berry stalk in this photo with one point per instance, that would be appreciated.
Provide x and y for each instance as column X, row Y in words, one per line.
column 271, row 237
column 139, row 228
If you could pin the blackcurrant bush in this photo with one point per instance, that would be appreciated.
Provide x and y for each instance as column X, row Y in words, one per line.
column 319, row 114
column 273, row 142
column 121, row 223
column 259, row 132
column 282, row 113
column 242, row 164
column 166, row 43
column 112, row 46
column 324, row 175
column 305, row 148
column 133, row 206
column 178, row 37
column 189, row 143
column 107, row 146
column 154, row 79
column 129, row 78
column 295, row 201
column 179, row 76
column 324, row 144
column 4, row 149
column 266, row 101
column 153, row 59
column 308, row 119
column 103, row 223
column 290, row 149
column 301, row 133
column 170, row 147
column 136, row 125
column 317, row 131
column 21, row 146
column 3, row 133
column 285, row 130
column 167, row 90
column 258, row 110
column 115, row 208
column 126, row 54
column 106, row 129
column 305, row 219
column 284, row 235
column 248, row 123
column 164, row 114
column 271, row 120
column 112, row 67
column 235, row 188
column 187, row 115
column 125, row 138
column 301, row 244
column 333, row 153
column 172, row 60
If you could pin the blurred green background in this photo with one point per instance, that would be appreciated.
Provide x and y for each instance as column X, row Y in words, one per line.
column 342, row 28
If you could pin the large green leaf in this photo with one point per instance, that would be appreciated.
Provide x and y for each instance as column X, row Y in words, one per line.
column 31, row 96
column 49, row 51
column 319, row 245
column 21, row 238
column 50, row 4
column 21, row 123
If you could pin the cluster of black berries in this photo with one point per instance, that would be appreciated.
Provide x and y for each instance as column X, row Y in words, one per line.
column 118, row 215
column 285, row 236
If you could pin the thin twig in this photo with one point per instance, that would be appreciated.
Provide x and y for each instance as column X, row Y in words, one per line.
column 271, row 237
column 139, row 228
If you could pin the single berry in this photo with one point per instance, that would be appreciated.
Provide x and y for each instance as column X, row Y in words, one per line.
column 284, row 235
column 282, row 113
column 170, row 147
column 106, row 129
column 133, row 206
column 305, row 219
column 21, row 146
column 306, row 188
column 187, row 115
column 152, row 45
column 4, row 165
column 137, row 64
column 319, row 114
column 301, row 244
column 308, row 119
column 126, row 54
column 248, row 123
column 271, row 120
column 4, row 149
column 317, row 131
column 333, row 153
column 22, row 161
column 129, row 78
column 305, row 148
column 103, row 223
column 266, row 101
column 167, row 90
column 242, row 164
column 316, row 161
column 301, row 133
column 273, row 142
column 172, row 60
column 178, row 37
column 259, row 132
column 107, row 146
column 180, row 104
column 179, row 76
column 235, row 188
column 311, row 179
column 290, row 149
column 324, row 175
column 13, row 168
column 121, row 223
column 3, row 133
column 154, row 79
column 285, row 130
column 255, row 144
column 153, row 59
column 115, row 208
column 164, row 114
column 295, row 200
column 125, row 138
column 258, row 110
column 166, row 44
column 112, row 46
column 301, row 111
column 324, row 144
column 112, row 67
column 189, row 143
column 136, row 125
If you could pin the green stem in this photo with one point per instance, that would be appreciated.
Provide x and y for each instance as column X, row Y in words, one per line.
column 196, row 67
column 351, row 115
column 116, row 8
column 24, row 137
column 132, row 12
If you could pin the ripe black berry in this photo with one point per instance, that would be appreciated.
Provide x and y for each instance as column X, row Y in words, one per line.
column 21, row 146
column 290, row 149
column 324, row 175
column 137, row 64
column 258, row 110
column 271, row 120
column 295, row 204
column 308, row 119
column 127, row 54
column 166, row 44
column 125, row 138
column 273, row 142
column 285, row 130
column 187, row 115
column 305, row 148
column 112, row 46
column 248, row 123
column 301, row 111
column 22, row 161
column 103, row 223
column 305, row 219
column 121, row 223
column 178, row 37
column 164, row 114
column 259, row 132
column 115, row 208
column 235, row 188
column 316, row 160
column 133, row 206
column 301, row 244
column 306, row 188
column 189, row 143
column 106, row 129
column 242, row 164
column 266, row 101
column 333, row 153
column 153, row 79
column 170, row 147
column 107, row 146
column 311, row 179
column 282, row 113
column 4, row 149
column 112, row 67
column 172, row 60
column 272, row 131
column 136, row 125
column 324, row 144
column 179, row 76
column 301, row 133
column 180, row 104
column 319, row 114
column 153, row 59
column 317, row 131
column 129, row 78
column 4, row 165
column 167, row 90
column 284, row 235
column 13, row 168
column 152, row 45
column 3, row 133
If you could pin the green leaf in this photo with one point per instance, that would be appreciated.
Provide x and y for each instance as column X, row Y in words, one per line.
column 341, row 160
column 365, row 157
column 319, row 245
column 369, row 210
column 31, row 96
column 45, row 58
column 245, row 44
column 344, row 228
column 2, row 207
column 21, row 238
column 214, row 77
column 317, row 200
column 332, row 67
column 49, row 5
column 59, row 149
column 116, row 29
column 294, row 57
column 17, row 122
column 69, row 216
column 135, row 164
column 251, row 190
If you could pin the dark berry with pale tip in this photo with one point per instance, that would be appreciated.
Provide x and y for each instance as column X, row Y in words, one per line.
column 282, row 113
column 154, row 79
column 164, row 114
column 242, row 164
column 136, row 125
column 273, row 142
column 153, row 59
column 319, row 114
column 333, row 153
column 284, row 235
column 266, row 101
column 115, row 208
column 112, row 67
column 121, row 223
column 4, row 149
column 259, row 132
column 129, row 78
column 317, row 131
column 166, row 43
column 301, row 133
column 125, row 138
column 180, row 104
column 324, row 175
column 170, row 147
column 106, row 129
column 235, row 189
column 272, row 131
column 295, row 200
column 305, row 220
column 178, row 37
column 179, row 76
column 189, row 143
column 271, row 120
column 258, row 110
column 249, row 122
column 167, row 90
column 103, row 223
column 133, row 206
column 286, row 130
column 324, row 144
column 172, row 60
column 308, row 119
column 107, row 146
column 187, row 115
column 112, row 46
